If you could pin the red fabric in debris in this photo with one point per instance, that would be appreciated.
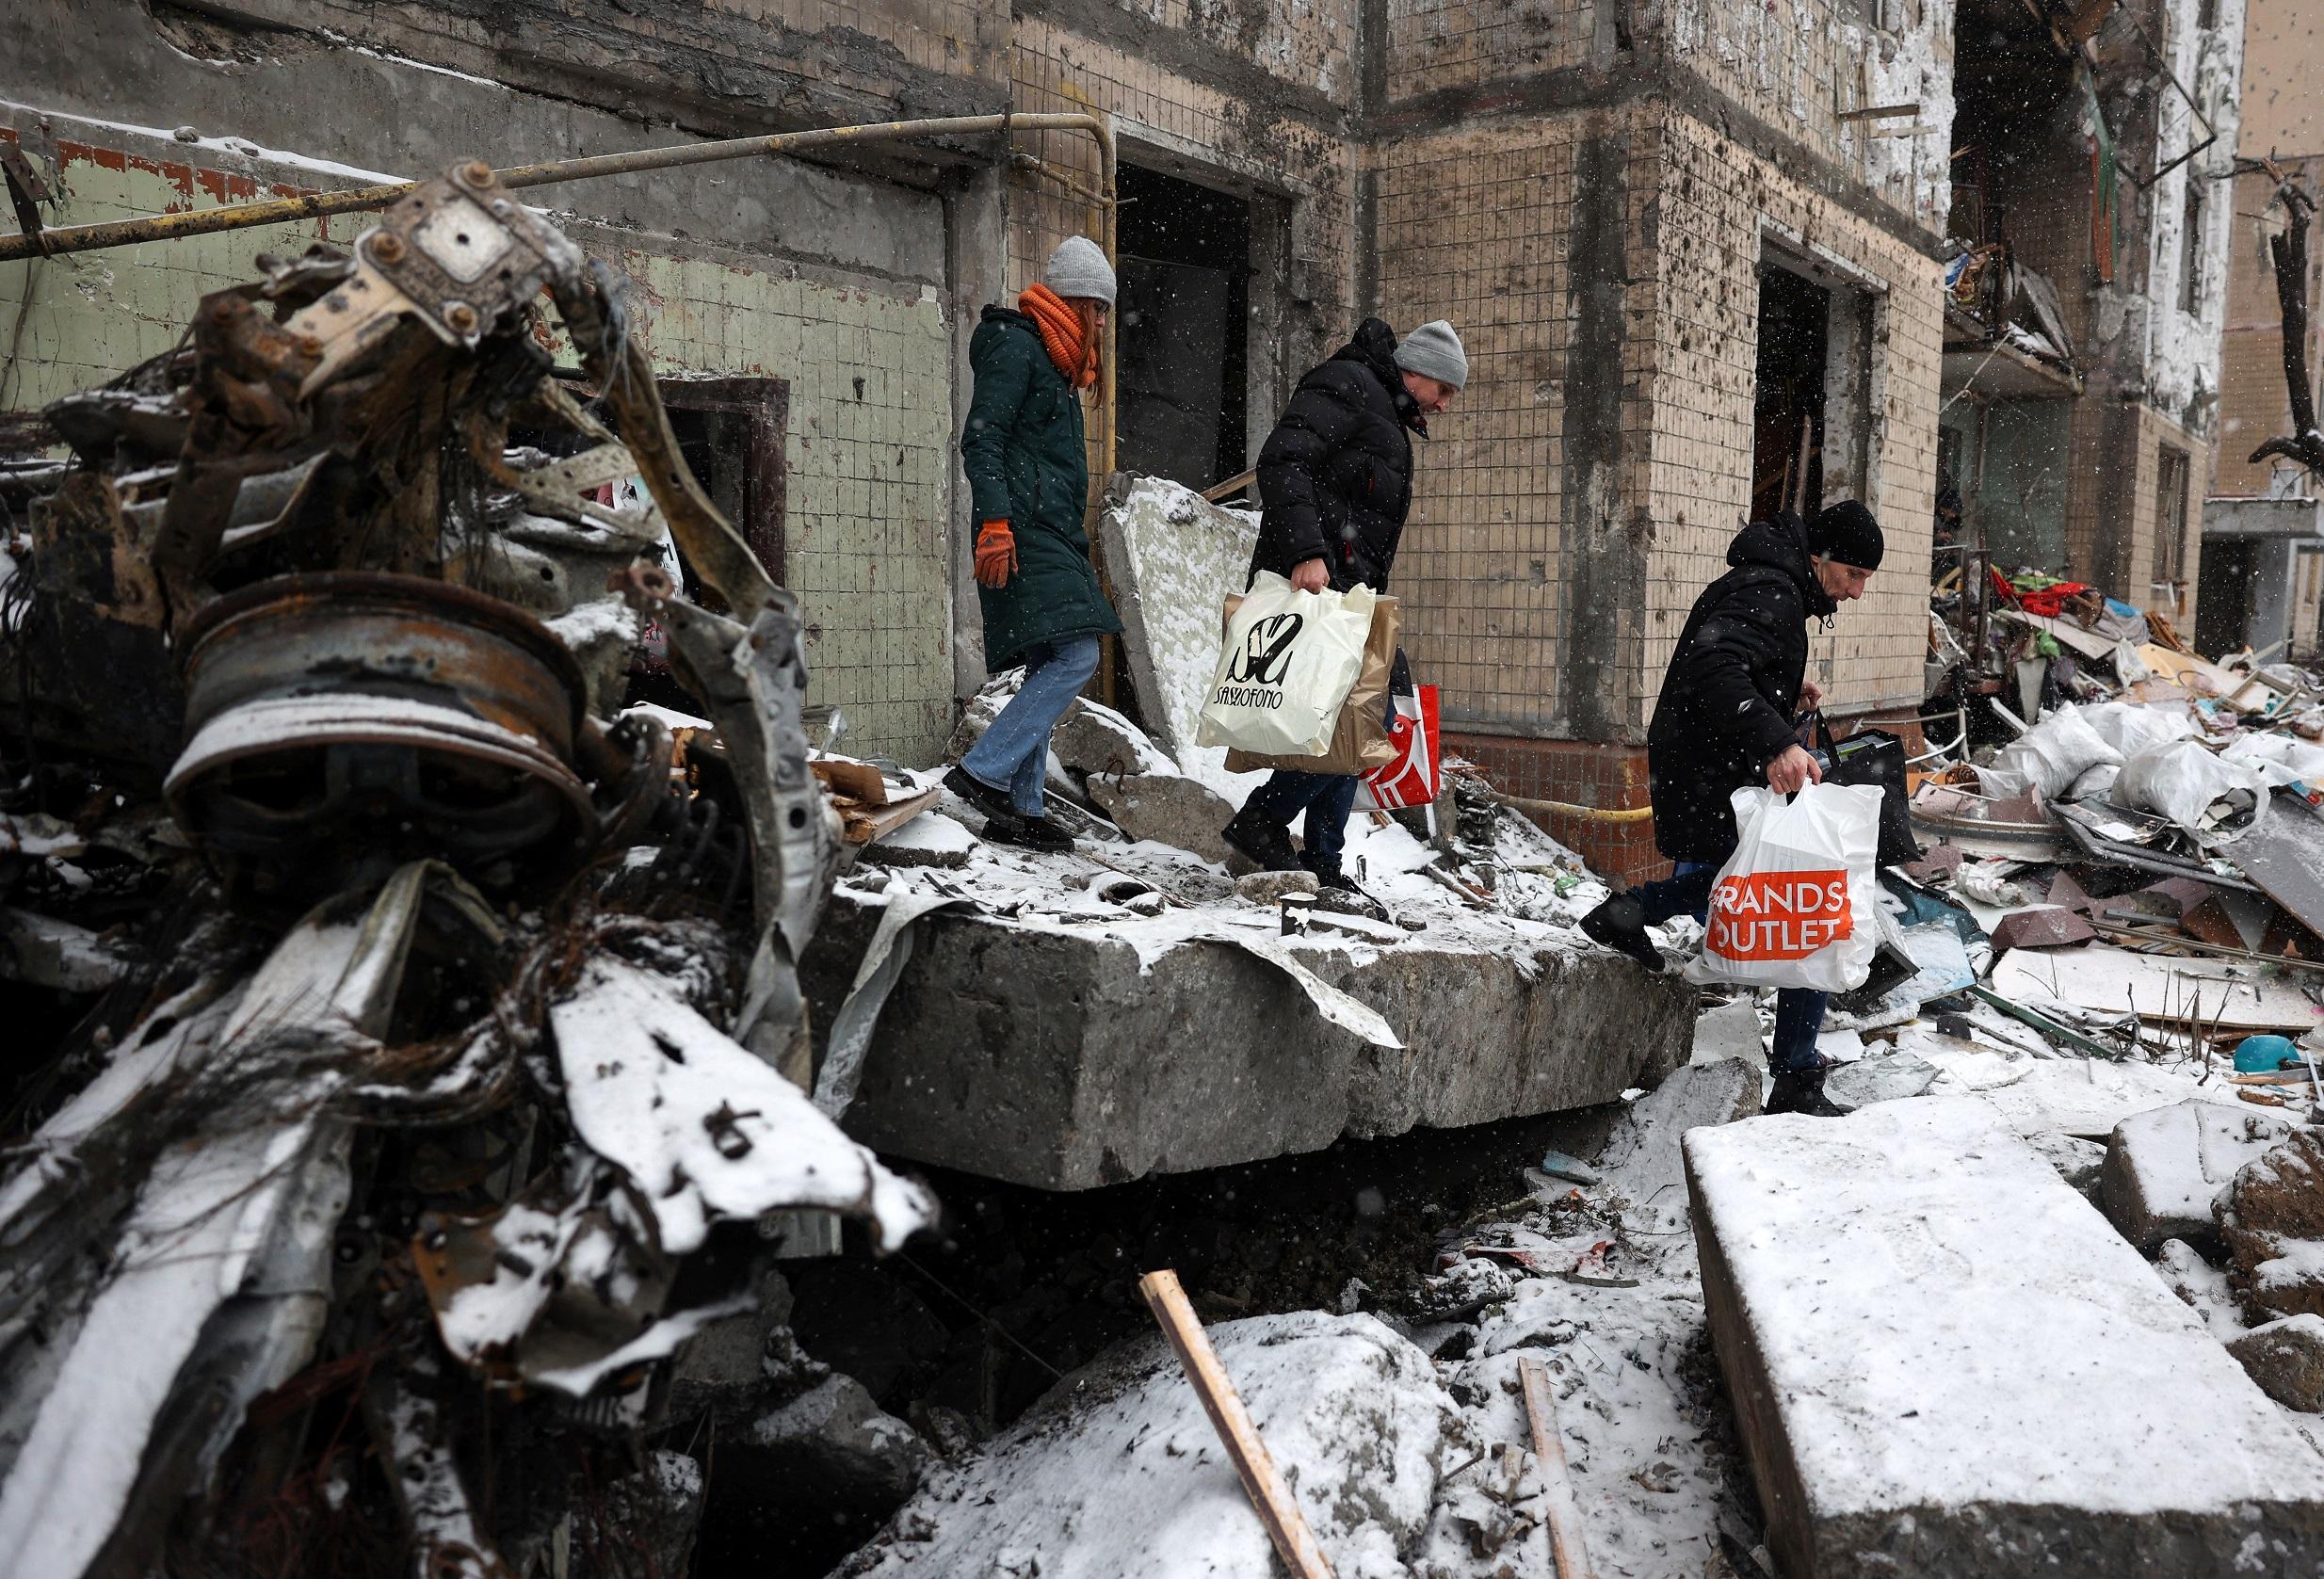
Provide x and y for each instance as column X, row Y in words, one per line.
column 2049, row 603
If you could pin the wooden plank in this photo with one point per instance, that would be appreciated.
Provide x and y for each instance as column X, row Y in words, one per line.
column 1286, row 1525
column 865, row 824
column 857, row 780
column 1561, row 1514
column 1233, row 486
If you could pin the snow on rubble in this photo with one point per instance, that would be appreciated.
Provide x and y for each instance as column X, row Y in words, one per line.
column 1119, row 1470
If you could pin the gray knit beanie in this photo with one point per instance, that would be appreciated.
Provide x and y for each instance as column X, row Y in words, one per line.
column 1078, row 268
column 1433, row 351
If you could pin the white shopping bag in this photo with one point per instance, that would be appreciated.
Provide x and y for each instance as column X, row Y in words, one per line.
column 1289, row 660
column 1793, row 906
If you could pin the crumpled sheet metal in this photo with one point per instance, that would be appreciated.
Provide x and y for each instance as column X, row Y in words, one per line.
column 705, row 1128
column 221, row 1274
column 562, row 1288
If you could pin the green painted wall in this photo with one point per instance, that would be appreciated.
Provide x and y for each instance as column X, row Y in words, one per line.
column 868, row 472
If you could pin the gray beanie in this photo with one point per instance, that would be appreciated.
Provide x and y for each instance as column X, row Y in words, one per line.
column 1433, row 351
column 1078, row 268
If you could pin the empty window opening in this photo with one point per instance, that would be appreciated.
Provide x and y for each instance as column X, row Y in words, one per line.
column 730, row 432
column 2170, row 531
column 1182, row 329
column 2190, row 252
column 1787, row 408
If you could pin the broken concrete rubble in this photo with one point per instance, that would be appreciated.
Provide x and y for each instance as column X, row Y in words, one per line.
column 1120, row 1464
column 1167, row 808
column 1643, row 1165
column 2286, row 1358
column 2271, row 1215
column 2165, row 1166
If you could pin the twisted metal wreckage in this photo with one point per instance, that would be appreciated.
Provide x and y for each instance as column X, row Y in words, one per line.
column 444, row 1089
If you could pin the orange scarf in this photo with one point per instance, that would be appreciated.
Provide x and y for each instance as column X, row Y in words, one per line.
column 1071, row 347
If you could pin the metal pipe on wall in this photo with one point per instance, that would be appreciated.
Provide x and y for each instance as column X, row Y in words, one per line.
column 356, row 200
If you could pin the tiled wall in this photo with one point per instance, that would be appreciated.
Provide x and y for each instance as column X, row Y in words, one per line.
column 93, row 315
column 865, row 543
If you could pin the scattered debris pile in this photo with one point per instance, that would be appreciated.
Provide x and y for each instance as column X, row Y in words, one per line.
column 415, row 1058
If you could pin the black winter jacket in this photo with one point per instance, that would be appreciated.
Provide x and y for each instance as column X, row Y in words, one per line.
column 1335, row 478
column 1726, row 706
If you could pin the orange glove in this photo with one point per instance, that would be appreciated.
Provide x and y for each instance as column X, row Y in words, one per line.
column 996, row 553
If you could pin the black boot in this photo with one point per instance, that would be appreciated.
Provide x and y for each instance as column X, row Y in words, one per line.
column 1620, row 924
column 1262, row 840
column 1803, row 1091
column 1339, row 893
column 992, row 804
column 1032, row 833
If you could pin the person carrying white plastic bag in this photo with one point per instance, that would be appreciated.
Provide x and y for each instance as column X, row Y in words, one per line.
column 1793, row 906
column 1289, row 662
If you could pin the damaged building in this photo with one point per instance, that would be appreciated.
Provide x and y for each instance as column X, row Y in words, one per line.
column 2091, row 213
column 1710, row 203
column 2263, row 574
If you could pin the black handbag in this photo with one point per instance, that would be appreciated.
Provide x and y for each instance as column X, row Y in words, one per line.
column 1874, row 757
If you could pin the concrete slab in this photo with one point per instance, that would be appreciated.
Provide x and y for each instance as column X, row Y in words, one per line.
column 1946, row 1362
column 1050, row 1057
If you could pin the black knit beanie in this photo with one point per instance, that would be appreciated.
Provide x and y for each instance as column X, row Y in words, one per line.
column 1846, row 532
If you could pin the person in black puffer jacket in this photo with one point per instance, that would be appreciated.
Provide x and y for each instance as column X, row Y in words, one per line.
column 1725, row 720
column 1336, row 482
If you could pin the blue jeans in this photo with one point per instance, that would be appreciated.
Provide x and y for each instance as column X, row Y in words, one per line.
column 1798, row 1012
column 1013, row 755
column 1326, row 798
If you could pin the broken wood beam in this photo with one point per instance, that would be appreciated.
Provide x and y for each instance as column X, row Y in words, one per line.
column 1233, row 486
column 1561, row 1514
column 1286, row 1525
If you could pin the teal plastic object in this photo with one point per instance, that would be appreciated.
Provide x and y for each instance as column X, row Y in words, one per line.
column 2265, row 1055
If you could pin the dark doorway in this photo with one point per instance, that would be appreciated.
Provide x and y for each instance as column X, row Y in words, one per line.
column 1182, row 329
column 2230, row 594
column 1787, row 409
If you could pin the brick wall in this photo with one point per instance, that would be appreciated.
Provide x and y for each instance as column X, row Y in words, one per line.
column 1717, row 212
column 1478, row 227
column 868, row 454
column 2253, row 404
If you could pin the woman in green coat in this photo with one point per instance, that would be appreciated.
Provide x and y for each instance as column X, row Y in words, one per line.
column 1029, row 472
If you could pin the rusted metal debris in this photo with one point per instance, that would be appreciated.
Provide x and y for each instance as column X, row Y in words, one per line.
column 440, row 1061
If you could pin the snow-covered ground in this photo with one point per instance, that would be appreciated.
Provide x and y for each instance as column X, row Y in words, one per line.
column 1410, row 1450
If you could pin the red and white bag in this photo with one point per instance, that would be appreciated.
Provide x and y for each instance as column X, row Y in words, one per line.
column 1412, row 778
column 1793, row 906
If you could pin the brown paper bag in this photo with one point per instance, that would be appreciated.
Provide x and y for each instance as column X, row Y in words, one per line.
column 1359, row 740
